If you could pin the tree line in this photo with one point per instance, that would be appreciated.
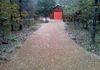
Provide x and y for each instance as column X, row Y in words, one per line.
column 85, row 12
column 14, row 12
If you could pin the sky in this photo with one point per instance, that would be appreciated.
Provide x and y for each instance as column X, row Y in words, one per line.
column 57, row 1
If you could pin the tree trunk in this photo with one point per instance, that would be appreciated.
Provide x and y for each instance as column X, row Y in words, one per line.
column 94, row 26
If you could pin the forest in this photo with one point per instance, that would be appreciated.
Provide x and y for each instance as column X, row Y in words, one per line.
column 85, row 16
column 18, row 18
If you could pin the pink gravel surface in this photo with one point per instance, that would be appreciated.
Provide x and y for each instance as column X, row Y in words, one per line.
column 50, row 48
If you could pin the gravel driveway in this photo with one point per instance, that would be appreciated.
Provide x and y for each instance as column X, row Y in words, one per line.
column 50, row 48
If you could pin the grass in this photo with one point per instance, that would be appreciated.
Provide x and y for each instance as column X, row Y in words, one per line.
column 98, row 36
column 35, row 24
column 83, row 38
column 12, row 38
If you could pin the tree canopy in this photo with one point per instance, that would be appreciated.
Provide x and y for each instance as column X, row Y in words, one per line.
column 45, row 7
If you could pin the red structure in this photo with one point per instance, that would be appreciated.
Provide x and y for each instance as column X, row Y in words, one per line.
column 57, row 13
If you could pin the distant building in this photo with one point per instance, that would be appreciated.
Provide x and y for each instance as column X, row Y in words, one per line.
column 57, row 13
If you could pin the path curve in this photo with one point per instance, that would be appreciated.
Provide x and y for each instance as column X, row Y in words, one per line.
column 50, row 48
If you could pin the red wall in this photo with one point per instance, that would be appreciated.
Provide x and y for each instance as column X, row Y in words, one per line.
column 58, row 15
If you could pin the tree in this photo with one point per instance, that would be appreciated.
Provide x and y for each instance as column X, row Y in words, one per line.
column 94, row 21
column 6, row 11
column 45, row 7
column 29, row 6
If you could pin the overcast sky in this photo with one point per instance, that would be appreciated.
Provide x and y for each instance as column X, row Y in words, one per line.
column 57, row 1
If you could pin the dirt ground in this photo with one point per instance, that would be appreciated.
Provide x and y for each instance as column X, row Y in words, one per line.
column 50, row 48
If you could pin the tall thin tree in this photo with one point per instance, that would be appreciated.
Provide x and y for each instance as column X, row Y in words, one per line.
column 20, row 8
column 94, row 22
